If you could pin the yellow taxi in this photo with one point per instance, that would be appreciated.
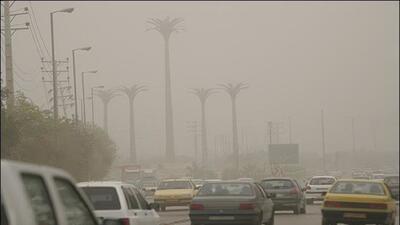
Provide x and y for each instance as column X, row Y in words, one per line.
column 355, row 201
column 174, row 192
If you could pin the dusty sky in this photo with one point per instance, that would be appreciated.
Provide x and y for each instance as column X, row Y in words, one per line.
column 297, row 57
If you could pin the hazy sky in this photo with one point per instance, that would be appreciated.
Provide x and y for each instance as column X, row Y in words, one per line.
column 297, row 57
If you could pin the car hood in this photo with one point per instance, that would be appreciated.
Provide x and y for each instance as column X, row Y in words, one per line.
column 173, row 192
column 356, row 198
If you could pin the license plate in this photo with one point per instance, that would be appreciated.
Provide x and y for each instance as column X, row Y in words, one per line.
column 355, row 215
column 221, row 218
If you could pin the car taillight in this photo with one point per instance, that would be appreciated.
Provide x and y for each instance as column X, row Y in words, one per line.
column 332, row 204
column 125, row 221
column 196, row 206
column 247, row 206
column 294, row 191
column 377, row 206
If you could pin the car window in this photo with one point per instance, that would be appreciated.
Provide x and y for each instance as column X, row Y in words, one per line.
column 103, row 198
column 261, row 190
column 4, row 219
column 322, row 181
column 277, row 184
column 226, row 189
column 76, row 211
column 353, row 187
column 142, row 201
column 175, row 185
column 39, row 199
column 130, row 198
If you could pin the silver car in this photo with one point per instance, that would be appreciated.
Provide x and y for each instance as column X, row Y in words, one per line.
column 231, row 202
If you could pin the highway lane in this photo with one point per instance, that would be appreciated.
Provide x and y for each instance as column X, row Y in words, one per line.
column 313, row 216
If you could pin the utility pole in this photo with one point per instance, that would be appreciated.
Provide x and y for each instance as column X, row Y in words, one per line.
column 353, row 135
column 270, row 132
column 323, row 140
column 290, row 130
column 193, row 128
column 8, row 31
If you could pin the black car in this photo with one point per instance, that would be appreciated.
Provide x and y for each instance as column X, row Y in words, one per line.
column 287, row 194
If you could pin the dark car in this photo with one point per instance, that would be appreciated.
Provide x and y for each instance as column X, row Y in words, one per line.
column 392, row 182
column 231, row 202
column 286, row 193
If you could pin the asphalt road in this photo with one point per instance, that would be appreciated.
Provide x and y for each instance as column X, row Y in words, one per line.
column 179, row 216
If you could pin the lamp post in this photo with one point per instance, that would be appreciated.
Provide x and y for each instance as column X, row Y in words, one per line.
column 53, row 60
column 93, row 102
column 83, row 93
column 74, row 72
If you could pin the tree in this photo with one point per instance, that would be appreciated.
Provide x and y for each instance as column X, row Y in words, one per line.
column 166, row 27
column 106, row 96
column 203, row 95
column 131, row 93
column 233, row 90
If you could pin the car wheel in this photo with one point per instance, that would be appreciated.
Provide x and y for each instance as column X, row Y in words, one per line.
column 260, row 219
column 326, row 222
column 297, row 209
column 303, row 210
column 272, row 219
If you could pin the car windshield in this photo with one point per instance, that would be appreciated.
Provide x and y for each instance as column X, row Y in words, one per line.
column 322, row 181
column 392, row 180
column 277, row 184
column 174, row 185
column 103, row 198
column 362, row 188
column 226, row 189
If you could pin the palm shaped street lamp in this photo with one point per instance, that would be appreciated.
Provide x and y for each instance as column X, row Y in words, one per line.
column 166, row 27
column 106, row 96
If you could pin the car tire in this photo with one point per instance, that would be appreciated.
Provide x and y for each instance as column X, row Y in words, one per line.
column 297, row 209
column 260, row 219
column 271, row 220
column 303, row 210
column 326, row 222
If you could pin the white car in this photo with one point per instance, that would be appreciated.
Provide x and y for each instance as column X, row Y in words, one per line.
column 118, row 200
column 316, row 186
column 33, row 194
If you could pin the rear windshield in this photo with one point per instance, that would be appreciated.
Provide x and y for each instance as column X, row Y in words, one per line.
column 226, row 189
column 103, row 198
column 277, row 184
column 174, row 185
column 322, row 181
column 392, row 181
column 354, row 187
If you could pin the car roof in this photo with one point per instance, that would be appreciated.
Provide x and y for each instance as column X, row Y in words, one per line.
column 278, row 178
column 179, row 179
column 102, row 184
column 361, row 180
column 322, row 177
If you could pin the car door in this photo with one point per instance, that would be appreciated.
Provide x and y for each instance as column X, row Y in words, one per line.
column 135, row 214
column 301, row 192
column 150, row 215
column 265, row 202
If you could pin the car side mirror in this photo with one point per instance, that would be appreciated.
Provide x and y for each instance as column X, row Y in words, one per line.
column 304, row 189
column 323, row 194
column 271, row 195
column 111, row 222
column 196, row 188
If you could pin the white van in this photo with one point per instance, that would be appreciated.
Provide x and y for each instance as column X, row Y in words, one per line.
column 317, row 186
column 36, row 195
column 122, row 201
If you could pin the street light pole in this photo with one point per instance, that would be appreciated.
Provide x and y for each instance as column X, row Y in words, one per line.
column 74, row 73
column 53, row 60
column 83, row 93
column 93, row 102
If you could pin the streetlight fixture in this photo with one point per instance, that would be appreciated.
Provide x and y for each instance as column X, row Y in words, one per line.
column 93, row 102
column 83, row 93
column 55, row 102
column 74, row 72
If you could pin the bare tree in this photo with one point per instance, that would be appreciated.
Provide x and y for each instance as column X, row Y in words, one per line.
column 106, row 96
column 166, row 27
column 131, row 93
column 233, row 90
column 203, row 95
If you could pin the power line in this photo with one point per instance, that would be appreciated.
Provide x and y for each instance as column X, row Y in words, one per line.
column 38, row 29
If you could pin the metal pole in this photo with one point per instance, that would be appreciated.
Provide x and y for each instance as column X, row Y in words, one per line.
column 92, row 108
column 75, row 95
column 83, row 98
column 290, row 130
column 8, row 53
column 270, row 132
column 323, row 140
column 55, row 102
column 353, row 135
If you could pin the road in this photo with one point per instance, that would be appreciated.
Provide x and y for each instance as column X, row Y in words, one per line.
column 179, row 216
